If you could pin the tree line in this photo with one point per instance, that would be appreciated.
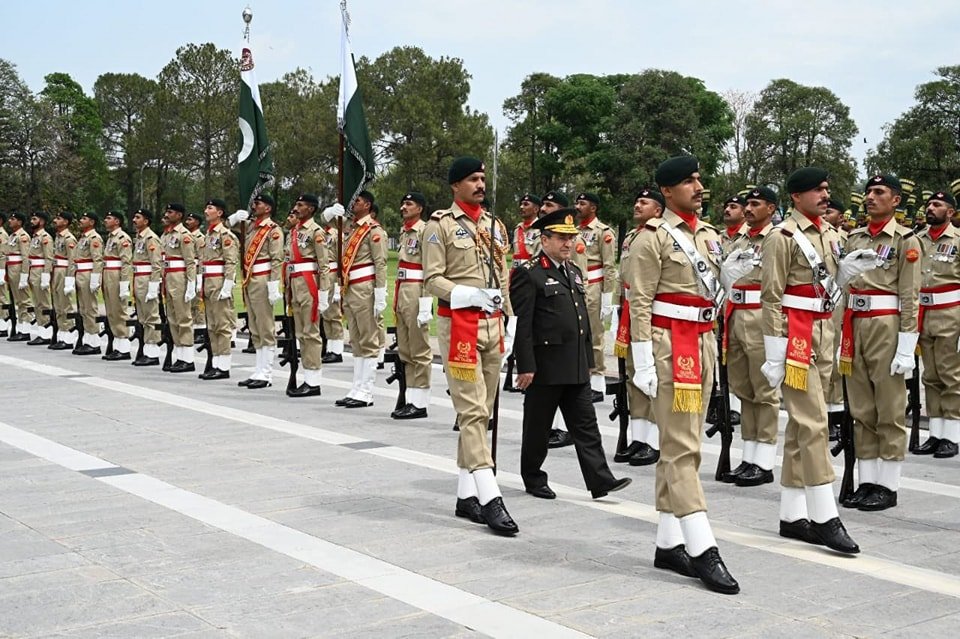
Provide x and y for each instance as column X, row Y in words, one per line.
column 175, row 137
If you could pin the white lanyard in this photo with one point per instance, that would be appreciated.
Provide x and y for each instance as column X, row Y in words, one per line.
column 820, row 274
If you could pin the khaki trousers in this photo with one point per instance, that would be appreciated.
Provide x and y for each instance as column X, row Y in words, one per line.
column 878, row 400
column 333, row 320
column 473, row 401
column 594, row 292
column 308, row 331
column 833, row 391
column 62, row 303
column 41, row 298
column 179, row 312
column 364, row 326
column 941, row 363
column 759, row 403
column 221, row 316
column 87, row 303
column 260, row 317
column 413, row 340
column 148, row 313
column 21, row 297
column 115, row 308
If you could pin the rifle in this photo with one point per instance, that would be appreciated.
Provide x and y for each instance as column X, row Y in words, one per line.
column 289, row 354
column 493, row 283
column 399, row 372
column 12, row 316
column 913, row 404
column 720, row 401
column 205, row 339
column 245, row 316
column 166, row 337
column 78, row 326
column 52, row 314
column 138, row 334
column 621, row 407
column 106, row 332
column 846, row 445
column 323, row 335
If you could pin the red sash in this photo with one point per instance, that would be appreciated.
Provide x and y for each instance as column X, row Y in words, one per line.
column 685, row 344
column 621, row 347
column 845, row 365
column 350, row 254
column 309, row 277
column 800, row 336
column 250, row 255
column 464, row 325
column 522, row 252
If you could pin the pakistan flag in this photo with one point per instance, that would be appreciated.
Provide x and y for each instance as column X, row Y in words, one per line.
column 358, row 153
column 254, row 164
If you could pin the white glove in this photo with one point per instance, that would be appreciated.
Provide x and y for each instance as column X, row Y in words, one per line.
column 44, row 281
column 487, row 299
column 336, row 294
column 226, row 290
column 614, row 325
column 509, row 334
column 379, row 300
column 23, row 281
column 273, row 291
column 323, row 301
column 153, row 291
column 775, row 368
column 332, row 211
column 903, row 361
column 645, row 368
column 69, row 285
column 738, row 264
column 191, row 291
column 239, row 216
column 606, row 305
column 958, row 344
column 94, row 282
column 124, row 291
column 856, row 263
column 199, row 285
column 425, row 313
column 3, row 276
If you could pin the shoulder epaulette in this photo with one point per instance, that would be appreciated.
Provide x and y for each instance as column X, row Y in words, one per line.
column 904, row 231
column 706, row 224
column 440, row 214
column 858, row 231
column 653, row 224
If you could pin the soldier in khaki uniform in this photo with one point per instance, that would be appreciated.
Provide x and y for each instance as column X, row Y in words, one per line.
column 262, row 262
column 333, row 316
column 5, row 328
column 61, row 286
column 526, row 240
column 601, row 273
column 86, row 269
column 307, row 286
column 834, row 390
column 644, row 446
column 219, row 257
column 413, row 310
column 147, row 265
column 457, row 256
column 117, row 276
column 17, row 251
column 878, row 344
column 194, row 222
column 734, row 225
column 180, row 286
column 41, row 270
column 672, row 308
column 801, row 258
column 940, row 324
column 364, row 290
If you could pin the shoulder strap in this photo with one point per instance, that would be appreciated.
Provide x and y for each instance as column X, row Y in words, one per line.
column 700, row 266
column 820, row 274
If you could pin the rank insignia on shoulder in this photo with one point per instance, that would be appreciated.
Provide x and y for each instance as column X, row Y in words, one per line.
column 433, row 239
column 544, row 262
column 551, row 282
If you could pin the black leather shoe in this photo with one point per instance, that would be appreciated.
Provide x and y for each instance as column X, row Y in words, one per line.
column 86, row 349
column 341, row 402
column 3, row 334
column 59, row 346
column 645, row 456
column 409, row 411
column 675, row 559
column 215, row 373
column 495, row 515
column 628, row 452
column 146, row 361
column 730, row 477
column 167, row 367
column 356, row 403
column 332, row 358
column 19, row 337
column 713, row 573
column 928, row 447
column 834, row 536
column 754, row 476
column 116, row 356
column 597, row 397
column 38, row 341
column 250, row 350
column 181, row 366
column 304, row 390
column 858, row 496
column 469, row 508
column 618, row 484
column 946, row 449
column 880, row 498
column 559, row 439
column 245, row 382
column 543, row 492
column 800, row 529
column 258, row 383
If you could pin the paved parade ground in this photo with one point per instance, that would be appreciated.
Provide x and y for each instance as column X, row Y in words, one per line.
column 136, row 503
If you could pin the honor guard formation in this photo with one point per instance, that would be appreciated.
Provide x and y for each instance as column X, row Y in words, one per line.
column 793, row 305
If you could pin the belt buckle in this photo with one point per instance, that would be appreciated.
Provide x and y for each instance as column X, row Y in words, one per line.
column 706, row 314
column 166, row 264
column 401, row 273
column 926, row 299
column 289, row 268
column 828, row 306
column 738, row 296
column 861, row 303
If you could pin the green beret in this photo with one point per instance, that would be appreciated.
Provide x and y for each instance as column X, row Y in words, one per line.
column 93, row 216
column 43, row 215
column 179, row 208
column 885, row 179
column 806, row 179
column 414, row 196
column 836, row 205
column 195, row 215
column 368, row 196
column 589, row 197
column 943, row 196
column 67, row 215
column 651, row 193
column 556, row 197
column 463, row 167
column 735, row 199
column 266, row 199
column 217, row 202
column 117, row 214
column 675, row 170
column 19, row 215
column 147, row 213
column 763, row 193
column 530, row 197
column 309, row 198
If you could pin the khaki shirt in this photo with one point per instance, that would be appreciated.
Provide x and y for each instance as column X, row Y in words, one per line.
column 332, row 253
column 785, row 265
column 4, row 236
column 64, row 245
column 728, row 242
column 178, row 243
column 452, row 254
column 625, row 263
column 19, row 244
column 411, row 250
column 220, row 244
column 940, row 266
column 41, row 245
column 899, row 273
column 658, row 265
column 312, row 244
column 528, row 237
column 744, row 241
column 601, row 250
column 146, row 250
column 118, row 246
column 372, row 249
column 272, row 247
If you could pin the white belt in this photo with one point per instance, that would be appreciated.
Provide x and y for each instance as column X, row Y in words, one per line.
column 61, row 263
column 142, row 269
column 410, row 274
column 812, row 304
column 865, row 303
column 260, row 268
column 174, row 264
column 594, row 273
column 82, row 267
column 686, row 313
column 213, row 269
column 108, row 263
column 936, row 299
column 303, row 267
column 332, row 267
column 37, row 263
column 363, row 271
column 742, row 296
column 14, row 259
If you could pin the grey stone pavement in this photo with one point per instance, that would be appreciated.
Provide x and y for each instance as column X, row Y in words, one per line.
column 136, row 503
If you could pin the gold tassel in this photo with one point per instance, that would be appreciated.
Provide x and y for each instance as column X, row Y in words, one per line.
column 687, row 400
column 796, row 377
column 621, row 350
column 845, row 367
column 464, row 373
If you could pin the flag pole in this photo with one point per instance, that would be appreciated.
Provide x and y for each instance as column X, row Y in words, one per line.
column 340, row 273
column 247, row 19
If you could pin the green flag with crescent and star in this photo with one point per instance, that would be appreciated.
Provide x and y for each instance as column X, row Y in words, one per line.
column 358, row 163
column 254, row 163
